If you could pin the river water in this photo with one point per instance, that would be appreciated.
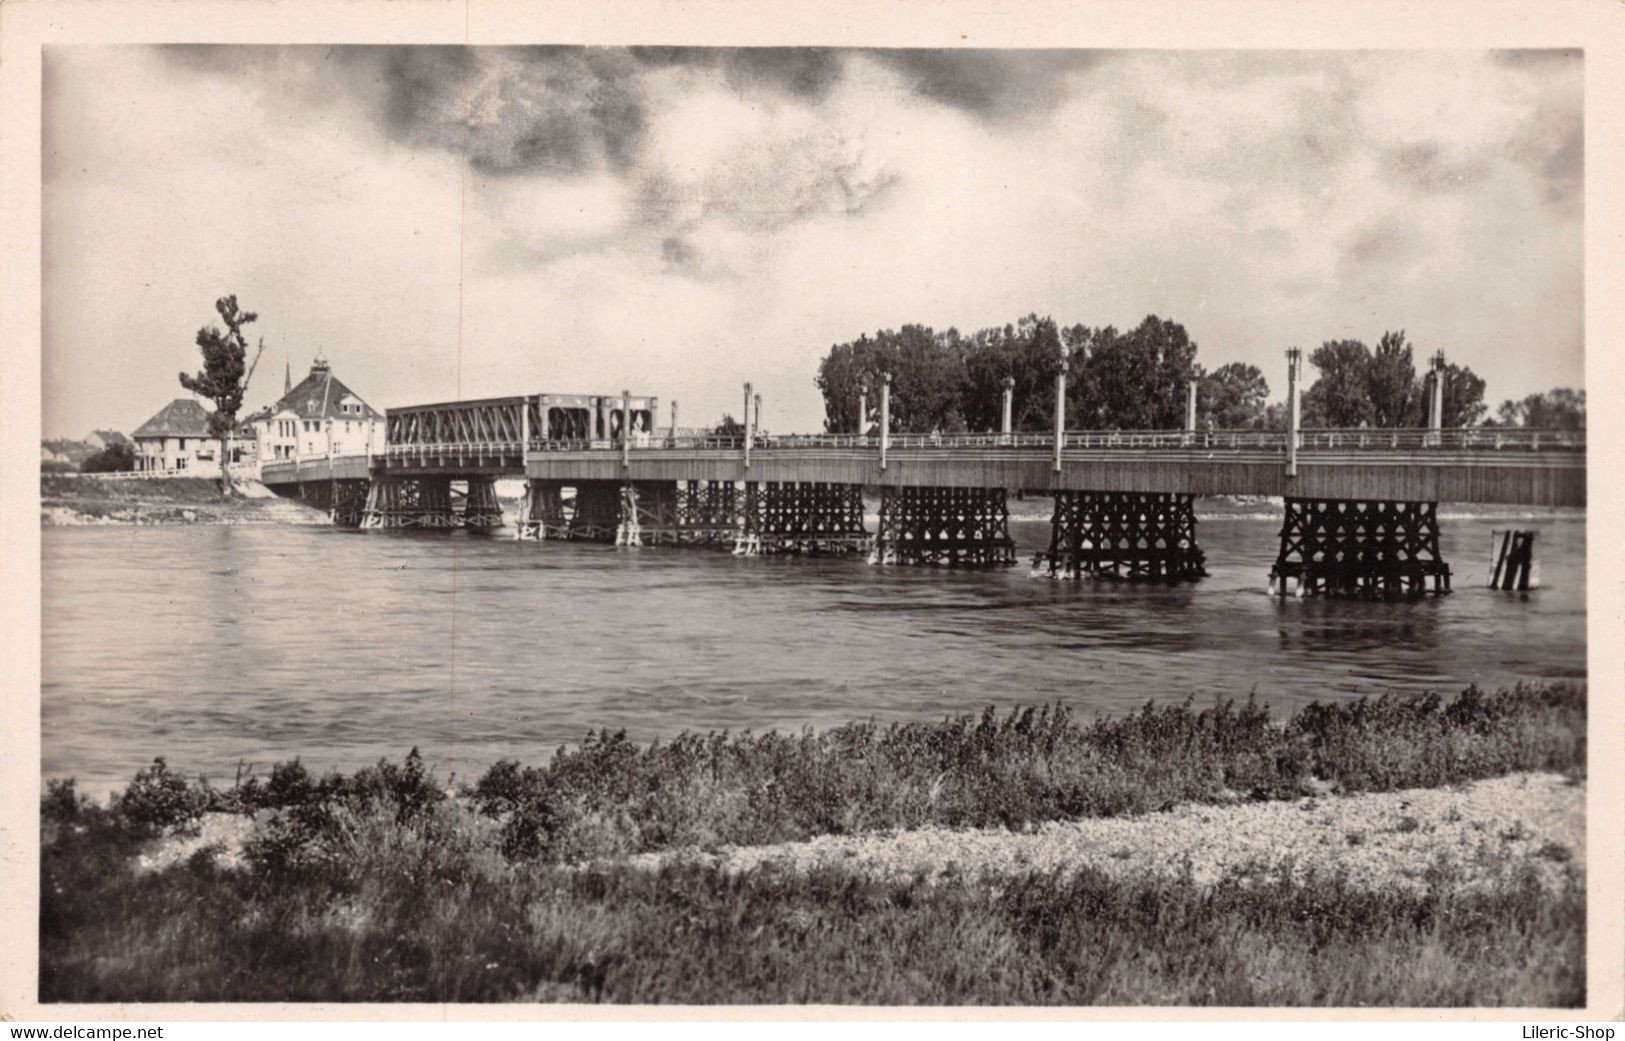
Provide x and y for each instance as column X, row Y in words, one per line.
column 214, row 645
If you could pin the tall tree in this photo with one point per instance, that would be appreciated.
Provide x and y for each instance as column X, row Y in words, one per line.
column 1029, row 353
column 1137, row 380
column 1338, row 397
column 846, row 371
column 1232, row 397
column 224, row 377
column 1391, row 387
column 1463, row 397
column 1558, row 409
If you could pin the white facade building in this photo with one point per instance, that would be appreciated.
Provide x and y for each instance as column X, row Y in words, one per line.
column 318, row 417
column 176, row 440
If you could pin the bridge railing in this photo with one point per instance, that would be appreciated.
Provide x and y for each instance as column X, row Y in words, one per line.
column 441, row 449
column 288, row 469
column 1498, row 438
column 1506, row 439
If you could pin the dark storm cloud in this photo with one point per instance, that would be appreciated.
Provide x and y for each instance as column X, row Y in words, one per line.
column 515, row 110
column 988, row 83
column 808, row 73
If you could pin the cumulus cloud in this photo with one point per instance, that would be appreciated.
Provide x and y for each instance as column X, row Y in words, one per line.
column 991, row 84
column 678, row 219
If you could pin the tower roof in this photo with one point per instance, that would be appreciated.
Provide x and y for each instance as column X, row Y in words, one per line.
column 318, row 395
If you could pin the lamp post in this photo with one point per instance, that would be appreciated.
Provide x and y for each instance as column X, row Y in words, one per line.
column 626, row 429
column 1436, row 397
column 1060, row 409
column 885, row 416
column 1294, row 365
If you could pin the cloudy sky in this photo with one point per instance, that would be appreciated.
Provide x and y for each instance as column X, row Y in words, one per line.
column 443, row 222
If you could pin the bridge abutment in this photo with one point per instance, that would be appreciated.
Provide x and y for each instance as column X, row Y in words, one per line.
column 1362, row 548
column 1148, row 536
column 957, row 527
column 344, row 499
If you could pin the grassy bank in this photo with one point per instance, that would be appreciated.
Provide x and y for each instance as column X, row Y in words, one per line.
column 76, row 500
column 377, row 886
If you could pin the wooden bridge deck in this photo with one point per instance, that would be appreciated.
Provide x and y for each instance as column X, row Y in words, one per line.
column 1514, row 467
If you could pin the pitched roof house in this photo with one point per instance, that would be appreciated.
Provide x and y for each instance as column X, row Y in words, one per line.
column 182, row 417
column 174, row 438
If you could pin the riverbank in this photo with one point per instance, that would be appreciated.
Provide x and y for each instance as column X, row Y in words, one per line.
column 74, row 500
column 1029, row 858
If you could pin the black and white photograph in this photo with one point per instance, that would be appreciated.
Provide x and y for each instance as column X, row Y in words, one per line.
column 650, row 523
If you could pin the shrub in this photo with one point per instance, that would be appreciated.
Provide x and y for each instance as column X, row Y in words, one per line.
column 157, row 799
column 61, row 803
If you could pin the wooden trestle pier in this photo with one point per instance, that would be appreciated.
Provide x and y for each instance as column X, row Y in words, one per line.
column 1359, row 520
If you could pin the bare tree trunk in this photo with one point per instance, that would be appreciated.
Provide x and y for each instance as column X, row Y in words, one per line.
column 226, row 488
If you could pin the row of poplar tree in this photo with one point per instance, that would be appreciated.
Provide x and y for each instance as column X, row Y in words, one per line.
column 1136, row 380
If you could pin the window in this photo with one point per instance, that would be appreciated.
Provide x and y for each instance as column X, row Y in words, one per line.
column 180, row 462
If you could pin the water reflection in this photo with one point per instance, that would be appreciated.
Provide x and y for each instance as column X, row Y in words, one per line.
column 1358, row 628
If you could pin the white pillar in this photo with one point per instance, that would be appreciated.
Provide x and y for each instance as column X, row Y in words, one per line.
column 1294, row 362
column 1009, row 400
column 745, row 425
column 885, row 416
column 863, row 412
column 1436, row 394
column 524, row 428
column 674, row 419
column 1190, row 407
column 1060, row 411
column 626, row 429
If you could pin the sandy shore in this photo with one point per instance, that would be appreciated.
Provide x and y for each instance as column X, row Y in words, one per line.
column 1476, row 835
column 85, row 501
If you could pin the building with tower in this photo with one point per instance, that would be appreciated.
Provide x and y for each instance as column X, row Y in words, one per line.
column 317, row 417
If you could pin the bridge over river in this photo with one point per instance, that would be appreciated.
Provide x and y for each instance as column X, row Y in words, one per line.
column 1359, row 514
